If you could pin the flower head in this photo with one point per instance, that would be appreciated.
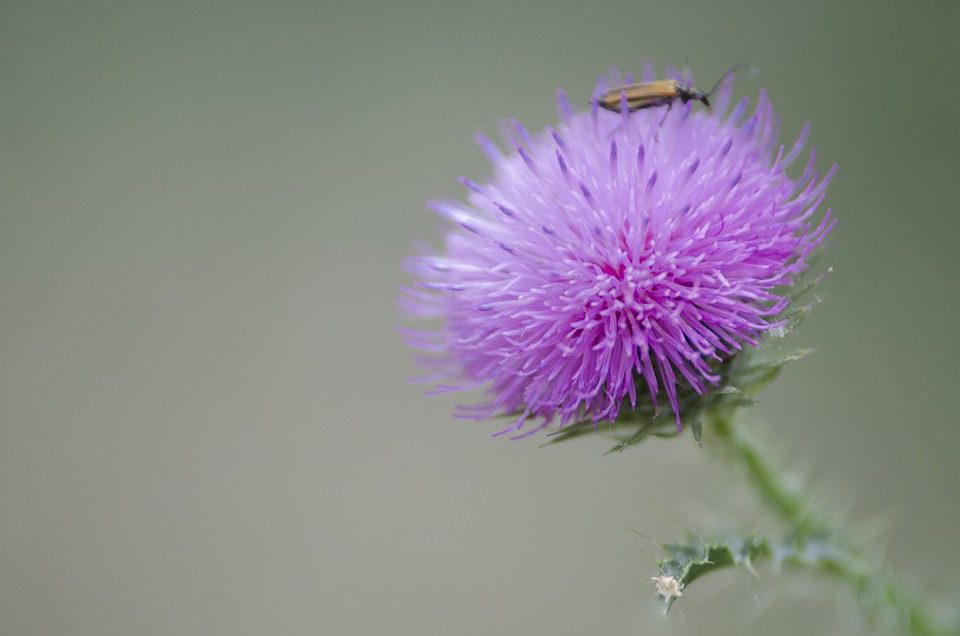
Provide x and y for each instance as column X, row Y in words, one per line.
column 615, row 254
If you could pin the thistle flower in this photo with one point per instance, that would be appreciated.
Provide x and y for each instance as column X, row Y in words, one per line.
column 615, row 254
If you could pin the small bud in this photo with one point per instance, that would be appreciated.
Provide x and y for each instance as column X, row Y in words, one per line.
column 667, row 586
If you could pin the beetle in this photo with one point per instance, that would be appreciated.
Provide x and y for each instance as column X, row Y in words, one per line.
column 662, row 92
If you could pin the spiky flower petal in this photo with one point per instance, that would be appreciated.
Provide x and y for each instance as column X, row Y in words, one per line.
column 612, row 251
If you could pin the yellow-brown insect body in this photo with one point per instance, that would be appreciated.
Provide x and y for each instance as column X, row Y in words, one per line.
column 649, row 95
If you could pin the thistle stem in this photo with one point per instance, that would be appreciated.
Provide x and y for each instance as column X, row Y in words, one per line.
column 789, row 504
column 835, row 553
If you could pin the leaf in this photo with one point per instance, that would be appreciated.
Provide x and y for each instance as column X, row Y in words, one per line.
column 691, row 561
column 752, row 379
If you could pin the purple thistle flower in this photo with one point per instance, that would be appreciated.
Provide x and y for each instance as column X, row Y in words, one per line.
column 612, row 251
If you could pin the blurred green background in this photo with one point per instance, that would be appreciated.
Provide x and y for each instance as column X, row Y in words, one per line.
column 204, row 424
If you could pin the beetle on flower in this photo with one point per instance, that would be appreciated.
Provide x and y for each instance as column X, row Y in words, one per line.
column 613, row 255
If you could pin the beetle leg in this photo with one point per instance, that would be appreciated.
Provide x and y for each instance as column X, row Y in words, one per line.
column 664, row 118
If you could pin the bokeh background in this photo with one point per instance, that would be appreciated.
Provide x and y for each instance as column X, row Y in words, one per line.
column 204, row 423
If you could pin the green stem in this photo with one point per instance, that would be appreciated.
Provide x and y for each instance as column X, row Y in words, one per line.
column 789, row 505
column 871, row 581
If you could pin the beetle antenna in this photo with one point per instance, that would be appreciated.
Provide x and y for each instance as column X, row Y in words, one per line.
column 732, row 73
column 685, row 74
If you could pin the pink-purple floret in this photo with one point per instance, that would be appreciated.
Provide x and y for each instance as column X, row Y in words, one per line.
column 612, row 251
